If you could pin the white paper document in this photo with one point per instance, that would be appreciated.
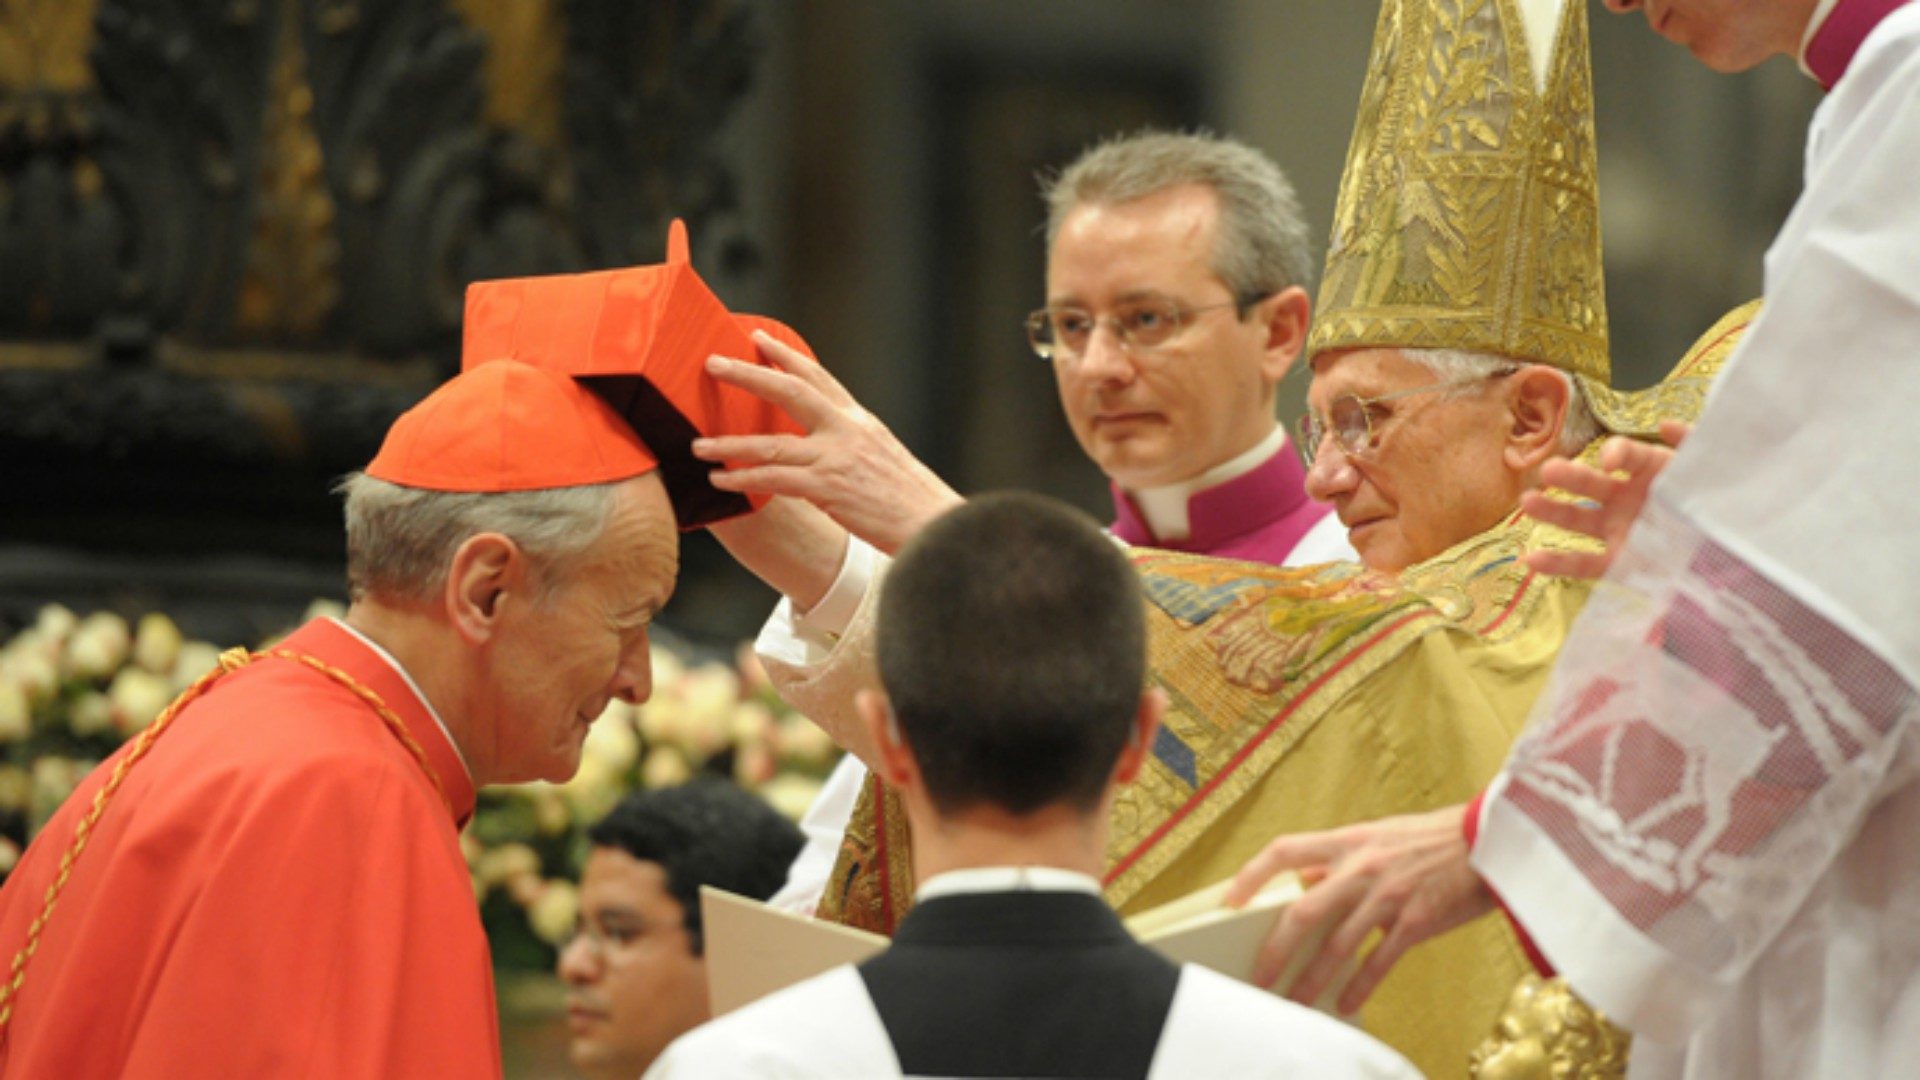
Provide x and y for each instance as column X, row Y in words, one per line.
column 753, row 950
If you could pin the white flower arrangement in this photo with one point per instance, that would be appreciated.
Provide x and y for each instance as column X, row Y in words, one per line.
column 705, row 717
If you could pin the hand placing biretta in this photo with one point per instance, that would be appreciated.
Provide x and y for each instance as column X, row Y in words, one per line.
column 639, row 338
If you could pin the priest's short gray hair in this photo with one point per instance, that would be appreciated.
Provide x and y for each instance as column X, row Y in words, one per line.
column 1578, row 429
column 401, row 540
column 1262, row 246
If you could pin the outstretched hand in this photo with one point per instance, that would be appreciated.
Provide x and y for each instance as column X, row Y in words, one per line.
column 848, row 463
column 1609, row 502
column 1405, row 876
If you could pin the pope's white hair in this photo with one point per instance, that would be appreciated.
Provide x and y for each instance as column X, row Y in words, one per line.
column 1580, row 426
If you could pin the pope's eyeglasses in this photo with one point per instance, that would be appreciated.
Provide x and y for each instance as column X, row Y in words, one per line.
column 1350, row 418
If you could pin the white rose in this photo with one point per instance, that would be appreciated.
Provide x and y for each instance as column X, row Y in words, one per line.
column 28, row 640
column 16, row 788
column 612, row 741
column 471, row 847
column 32, row 670
column 16, row 713
column 90, row 714
column 752, row 724
column 323, row 608
column 524, row 889
column 505, row 862
column 665, row 767
column 156, row 643
column 806, row 743
column 54, row 778
column 98, row 646
column 663, row 720
column 550, row 814
column 137, row 697
column 196, row 659
column 593, row 790
column 667, row 669
column 55, row 623
column 711, row 691
column 790, row 794
column 553, row 912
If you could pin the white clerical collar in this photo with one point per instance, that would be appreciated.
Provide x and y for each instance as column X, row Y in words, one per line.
column 1820, row 12
column 411, row 685
column 995, row 879
column 1164, row 509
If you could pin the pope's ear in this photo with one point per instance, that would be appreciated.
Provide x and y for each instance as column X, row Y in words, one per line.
column 485, row 571
column 1539, row 399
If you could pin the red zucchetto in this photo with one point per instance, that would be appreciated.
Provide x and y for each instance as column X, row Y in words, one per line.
column 509, row 426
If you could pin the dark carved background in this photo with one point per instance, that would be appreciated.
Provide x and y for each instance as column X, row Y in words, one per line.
column 235, row 237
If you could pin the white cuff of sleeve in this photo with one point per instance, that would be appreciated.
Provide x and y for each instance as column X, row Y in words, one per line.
column 803, row 639
column 830, row 616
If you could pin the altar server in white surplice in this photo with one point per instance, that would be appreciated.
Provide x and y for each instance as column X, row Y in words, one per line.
column 1709, row 828
column 1012, row 652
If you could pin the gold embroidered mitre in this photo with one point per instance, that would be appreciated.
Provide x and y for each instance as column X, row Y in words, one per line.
column 1468, row 215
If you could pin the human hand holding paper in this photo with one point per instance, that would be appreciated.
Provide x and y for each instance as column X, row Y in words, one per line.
column 1405, row 876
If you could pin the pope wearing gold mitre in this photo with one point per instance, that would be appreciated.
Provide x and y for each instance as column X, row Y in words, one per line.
column 1461, row 341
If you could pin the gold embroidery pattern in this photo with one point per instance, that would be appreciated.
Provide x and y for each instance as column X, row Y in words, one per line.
column 850, row 897
column 871, row 886
column 1468, row 216
column 1267, row 626
column 1280, row 649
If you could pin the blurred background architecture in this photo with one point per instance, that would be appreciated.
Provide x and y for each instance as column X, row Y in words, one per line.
column 234, row 233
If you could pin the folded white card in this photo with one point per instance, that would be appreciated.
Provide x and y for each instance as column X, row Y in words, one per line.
column 753, row 950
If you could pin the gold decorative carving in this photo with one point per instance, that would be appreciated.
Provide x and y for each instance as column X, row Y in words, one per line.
column 292, row 279
column 43, row 45
column 526, row 53
column 1548, row 1032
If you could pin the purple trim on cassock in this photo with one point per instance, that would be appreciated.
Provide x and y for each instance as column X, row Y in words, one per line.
column 1258, row 516
column 1839, row 38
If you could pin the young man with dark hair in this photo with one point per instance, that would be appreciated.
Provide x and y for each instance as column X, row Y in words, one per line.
column 1013, row 657
column 635, row 970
